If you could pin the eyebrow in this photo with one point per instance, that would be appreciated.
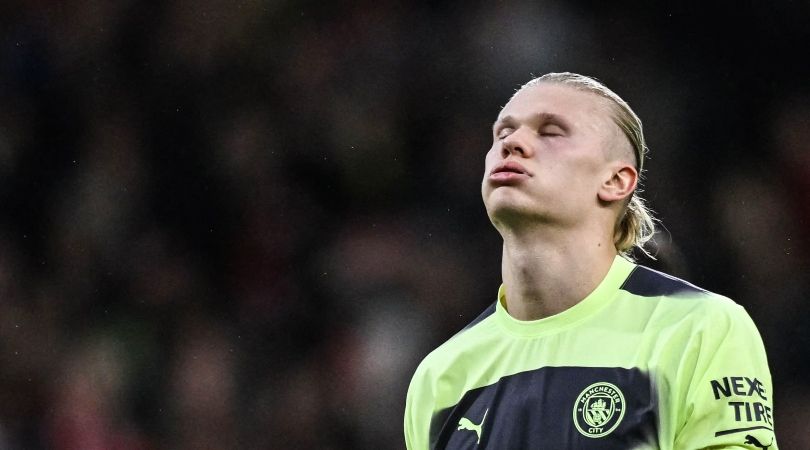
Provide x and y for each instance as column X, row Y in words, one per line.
column 505, row 119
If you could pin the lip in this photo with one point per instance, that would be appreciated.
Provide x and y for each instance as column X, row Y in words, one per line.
column 508, row 172
column 510, row 167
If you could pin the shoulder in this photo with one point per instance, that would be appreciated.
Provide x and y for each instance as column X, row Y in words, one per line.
column 443, row 376
column 646, row 282
column 681, row 299
column 466, row 341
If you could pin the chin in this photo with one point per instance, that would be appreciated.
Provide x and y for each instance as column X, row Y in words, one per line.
column 511, row 212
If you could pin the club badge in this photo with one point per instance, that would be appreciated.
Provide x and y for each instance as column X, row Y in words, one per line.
column 598, row 410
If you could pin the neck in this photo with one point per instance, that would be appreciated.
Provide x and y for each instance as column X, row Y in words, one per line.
column 546, row 271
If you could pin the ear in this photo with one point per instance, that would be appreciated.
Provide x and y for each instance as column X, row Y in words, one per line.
column 621, row 183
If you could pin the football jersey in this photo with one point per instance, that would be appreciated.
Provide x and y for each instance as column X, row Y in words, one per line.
column 645, row 361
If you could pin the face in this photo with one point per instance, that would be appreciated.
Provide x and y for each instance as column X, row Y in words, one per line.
column 549, row 156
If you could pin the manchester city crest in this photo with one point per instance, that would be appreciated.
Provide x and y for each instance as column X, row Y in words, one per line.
column 598, row 410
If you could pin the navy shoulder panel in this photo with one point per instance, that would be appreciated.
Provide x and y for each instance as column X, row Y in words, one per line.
column 487, row 312
column 647, row 282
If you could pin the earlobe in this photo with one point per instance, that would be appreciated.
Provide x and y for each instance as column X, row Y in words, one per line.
column 620, row 185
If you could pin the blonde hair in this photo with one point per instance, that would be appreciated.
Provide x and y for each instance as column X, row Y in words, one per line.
column 636, row 224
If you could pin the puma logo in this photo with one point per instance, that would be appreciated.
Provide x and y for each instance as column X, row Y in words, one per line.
column 752, row 440
column 466, row 424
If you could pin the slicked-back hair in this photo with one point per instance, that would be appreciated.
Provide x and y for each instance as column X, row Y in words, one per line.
column 636, row 224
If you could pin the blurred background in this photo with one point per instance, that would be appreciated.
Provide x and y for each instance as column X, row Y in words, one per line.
column 241, row 224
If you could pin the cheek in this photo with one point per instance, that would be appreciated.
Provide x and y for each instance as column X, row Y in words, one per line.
column 489, row 162
column 586, row 176
column 490, row 159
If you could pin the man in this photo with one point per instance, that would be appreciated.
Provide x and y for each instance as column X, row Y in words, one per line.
column 584, row 349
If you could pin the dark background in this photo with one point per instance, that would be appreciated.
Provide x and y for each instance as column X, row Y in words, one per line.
column 241, row 224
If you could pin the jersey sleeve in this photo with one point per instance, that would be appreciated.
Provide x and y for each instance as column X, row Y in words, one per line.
column 418, row 411
column 728, row 396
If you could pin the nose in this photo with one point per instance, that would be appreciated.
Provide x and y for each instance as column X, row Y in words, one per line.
column 516, row 143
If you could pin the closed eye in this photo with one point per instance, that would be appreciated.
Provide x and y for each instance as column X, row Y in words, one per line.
column 551, row 130
column 502, row 133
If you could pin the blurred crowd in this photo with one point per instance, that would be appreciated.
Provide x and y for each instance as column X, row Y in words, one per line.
column 242, row 224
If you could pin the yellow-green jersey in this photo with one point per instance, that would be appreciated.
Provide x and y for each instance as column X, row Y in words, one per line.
column 646, row 361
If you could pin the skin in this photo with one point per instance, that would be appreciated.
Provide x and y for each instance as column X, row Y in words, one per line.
column 557, row 216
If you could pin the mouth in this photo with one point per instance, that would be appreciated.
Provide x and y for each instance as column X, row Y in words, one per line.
column 508, row 173
column 510, row 167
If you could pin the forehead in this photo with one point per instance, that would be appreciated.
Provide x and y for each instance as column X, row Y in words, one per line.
column 575, row 105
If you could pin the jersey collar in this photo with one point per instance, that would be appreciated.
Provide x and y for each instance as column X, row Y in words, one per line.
column 594, row 302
